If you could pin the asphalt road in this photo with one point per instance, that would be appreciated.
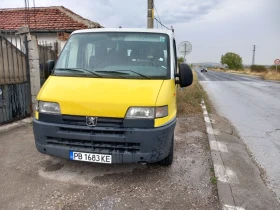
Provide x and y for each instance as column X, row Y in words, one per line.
column 253, row 107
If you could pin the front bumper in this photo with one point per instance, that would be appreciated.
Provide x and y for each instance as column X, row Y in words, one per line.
column 126, row 145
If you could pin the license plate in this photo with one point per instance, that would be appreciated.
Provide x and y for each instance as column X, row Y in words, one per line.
column 90, row 157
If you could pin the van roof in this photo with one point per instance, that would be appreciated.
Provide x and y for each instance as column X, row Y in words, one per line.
column 96, row 30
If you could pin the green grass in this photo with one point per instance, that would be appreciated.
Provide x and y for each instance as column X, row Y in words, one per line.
column 213, row 180
column 189, row 98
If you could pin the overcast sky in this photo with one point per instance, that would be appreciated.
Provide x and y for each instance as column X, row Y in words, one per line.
column 214, row 27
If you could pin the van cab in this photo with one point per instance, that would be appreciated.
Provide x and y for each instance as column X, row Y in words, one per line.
column 111, row 97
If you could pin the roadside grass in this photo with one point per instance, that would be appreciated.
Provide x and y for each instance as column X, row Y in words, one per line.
column 189, row 98
column 213, row 180
column 272, row 75
column 269, row 75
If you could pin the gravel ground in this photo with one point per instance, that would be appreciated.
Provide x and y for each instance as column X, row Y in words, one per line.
column 30, row 180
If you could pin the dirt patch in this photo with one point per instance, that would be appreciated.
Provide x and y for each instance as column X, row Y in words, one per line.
column 53, row 166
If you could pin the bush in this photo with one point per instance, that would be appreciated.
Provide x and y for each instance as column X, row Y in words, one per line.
column 274, row 67
column 258, row 68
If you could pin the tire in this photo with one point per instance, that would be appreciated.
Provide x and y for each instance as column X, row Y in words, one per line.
column 201, row 70
column 206, row 71
column 169, row 159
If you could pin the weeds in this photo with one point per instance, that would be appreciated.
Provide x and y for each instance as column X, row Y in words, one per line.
column 189, row 98
column 272, row 75
column 213, row 180
column 269, row 75
column 258, row 68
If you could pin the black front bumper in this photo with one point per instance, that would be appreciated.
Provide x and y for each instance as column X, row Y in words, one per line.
column 126, row 145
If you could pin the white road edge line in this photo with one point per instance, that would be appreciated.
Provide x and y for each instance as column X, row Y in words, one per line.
column 220, row 172
column 223, row 174
column 218, row 146
column 207, row 119
column 228, row 207
column 204, row 76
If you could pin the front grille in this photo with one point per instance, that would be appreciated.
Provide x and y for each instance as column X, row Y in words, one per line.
column 87, row 130
column 94, row 145
column 101, row 121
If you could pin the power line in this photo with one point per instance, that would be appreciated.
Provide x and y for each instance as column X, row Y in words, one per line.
column 157, row 14
column 25, row 12
column 34, row 14
column 163, row 24
column 28, row 14
column 159, row 20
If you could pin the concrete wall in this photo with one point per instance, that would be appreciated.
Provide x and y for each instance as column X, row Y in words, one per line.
column 33, row 59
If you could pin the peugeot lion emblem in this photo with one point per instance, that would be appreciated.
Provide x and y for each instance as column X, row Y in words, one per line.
column 91, row 121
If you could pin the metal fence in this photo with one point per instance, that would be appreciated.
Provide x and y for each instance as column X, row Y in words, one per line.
column 47, row 51
column 15, row 95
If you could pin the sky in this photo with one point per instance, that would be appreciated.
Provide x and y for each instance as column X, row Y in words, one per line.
column 214, row 27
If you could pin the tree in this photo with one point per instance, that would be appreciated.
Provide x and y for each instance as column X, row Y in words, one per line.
column 180, row 60
column 232, row 60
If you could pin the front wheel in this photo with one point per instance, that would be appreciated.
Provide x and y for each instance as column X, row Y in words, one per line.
column 169, row 159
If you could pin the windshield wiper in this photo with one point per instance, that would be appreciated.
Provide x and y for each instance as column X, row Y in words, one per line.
column 113, row 73
column 83, row 70
column 142, row 75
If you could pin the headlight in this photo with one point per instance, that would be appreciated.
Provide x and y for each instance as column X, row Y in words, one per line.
column 141, row 112
column 49, row 107
column 147, row 112
column 37, row 106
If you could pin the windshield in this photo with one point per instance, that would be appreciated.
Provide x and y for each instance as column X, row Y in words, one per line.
column 116, row 55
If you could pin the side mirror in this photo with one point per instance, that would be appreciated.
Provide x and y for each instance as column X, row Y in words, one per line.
column 185, row 75
column 50, row 66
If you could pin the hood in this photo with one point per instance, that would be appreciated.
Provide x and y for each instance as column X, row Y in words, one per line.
column 101, row 97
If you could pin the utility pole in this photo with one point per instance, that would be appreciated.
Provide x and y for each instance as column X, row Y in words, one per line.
column 185, row 52
column 150, row 14
column 254, row 51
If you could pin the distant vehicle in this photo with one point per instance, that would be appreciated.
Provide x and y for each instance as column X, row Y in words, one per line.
column 203, row 69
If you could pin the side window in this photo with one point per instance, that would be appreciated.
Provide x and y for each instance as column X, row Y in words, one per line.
column 175, row 56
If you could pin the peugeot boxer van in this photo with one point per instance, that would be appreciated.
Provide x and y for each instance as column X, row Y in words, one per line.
column 111, row 97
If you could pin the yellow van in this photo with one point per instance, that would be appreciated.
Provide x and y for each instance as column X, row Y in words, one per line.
column 111, row 97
